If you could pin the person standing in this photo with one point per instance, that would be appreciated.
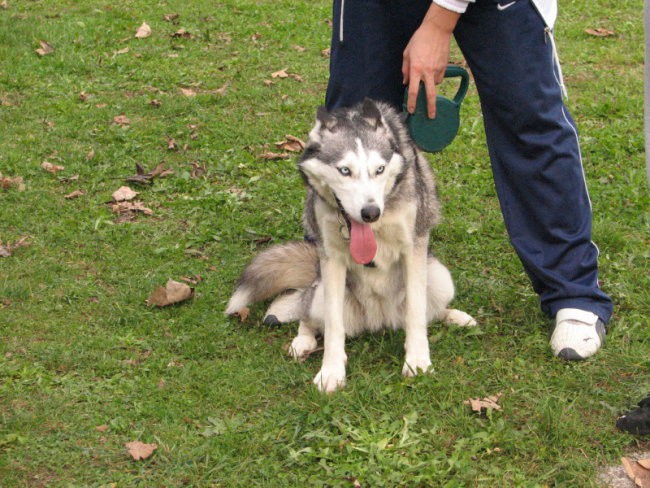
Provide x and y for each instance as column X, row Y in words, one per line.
column 379, row 46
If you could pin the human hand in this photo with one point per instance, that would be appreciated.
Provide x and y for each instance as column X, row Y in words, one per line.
column 427, row 54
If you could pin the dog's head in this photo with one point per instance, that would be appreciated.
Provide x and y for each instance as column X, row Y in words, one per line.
column 352, row 159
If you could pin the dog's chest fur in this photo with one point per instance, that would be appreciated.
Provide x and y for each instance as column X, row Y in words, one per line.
column 377, row 290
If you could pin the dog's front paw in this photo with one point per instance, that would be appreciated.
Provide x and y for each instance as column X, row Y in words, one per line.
column 416, row 365
column 329, row 379
column 301, row 346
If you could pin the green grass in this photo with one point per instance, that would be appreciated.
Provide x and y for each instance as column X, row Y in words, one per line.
column 80, row 349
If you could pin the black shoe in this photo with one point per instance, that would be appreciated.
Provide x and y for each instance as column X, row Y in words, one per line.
column 637, row 421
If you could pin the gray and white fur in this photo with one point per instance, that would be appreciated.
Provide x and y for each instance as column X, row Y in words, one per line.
column 370, row 206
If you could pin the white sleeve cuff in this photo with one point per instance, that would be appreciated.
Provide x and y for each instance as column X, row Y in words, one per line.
column 458, row 6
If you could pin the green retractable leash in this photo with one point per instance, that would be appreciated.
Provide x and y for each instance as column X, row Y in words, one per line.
column 433, row 135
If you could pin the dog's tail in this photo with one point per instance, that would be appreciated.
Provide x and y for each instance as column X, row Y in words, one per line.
column 292, row 265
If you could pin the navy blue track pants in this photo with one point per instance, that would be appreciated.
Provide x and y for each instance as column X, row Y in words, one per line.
column 532, row 140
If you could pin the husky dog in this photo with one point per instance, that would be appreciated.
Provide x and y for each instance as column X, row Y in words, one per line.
column 364, row 265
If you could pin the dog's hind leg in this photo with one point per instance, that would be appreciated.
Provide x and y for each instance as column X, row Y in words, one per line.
column 285, row 308
column 304, row 343
column 440, row 291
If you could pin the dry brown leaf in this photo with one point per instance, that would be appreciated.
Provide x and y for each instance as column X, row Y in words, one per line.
column 121, row 51
column 644, row 462
column 171, row 18
column 4, row 5
column 45, row 49
column 122, row 120
column 130, row 207
column 181, row 33
column 68, row 179
column 6, row 182
column 298, row 48
column 145, row 178
column 160, row 171
column 51, row 168
column 139, row 450
column 171, row 144
column 636, row 472
column 90, row 154
column 74, row 194
column 600, row 32
column 6, row 250
column 143, row 31
column 280, row 74
column 198, row 169
column 188, row 92
column 155, row 103
column 290, row 143
column 325, row 52
column 101, row 428
column 271, row 156
column 124, row 194
column 487, row 403
column 172, row 292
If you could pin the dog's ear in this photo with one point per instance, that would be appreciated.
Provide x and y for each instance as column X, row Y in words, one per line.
column 370, row 112
column 324, row 119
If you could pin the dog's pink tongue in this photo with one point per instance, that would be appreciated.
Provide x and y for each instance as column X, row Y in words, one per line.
column 363, row 246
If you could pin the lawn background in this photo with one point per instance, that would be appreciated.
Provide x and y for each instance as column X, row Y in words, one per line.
column 79, row 348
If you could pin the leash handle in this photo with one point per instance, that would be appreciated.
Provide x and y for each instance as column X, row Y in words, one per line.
column 454, row 71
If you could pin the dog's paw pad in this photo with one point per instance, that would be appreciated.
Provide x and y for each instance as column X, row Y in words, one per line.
column 460, row 318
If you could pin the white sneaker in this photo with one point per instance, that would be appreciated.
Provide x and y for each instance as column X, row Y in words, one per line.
column 578, row 334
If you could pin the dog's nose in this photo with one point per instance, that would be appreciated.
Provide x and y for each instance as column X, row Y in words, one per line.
column 370, row 213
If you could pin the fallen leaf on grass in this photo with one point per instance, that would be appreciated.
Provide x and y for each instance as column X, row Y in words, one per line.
column 198, row 169
column 124, row 194
column 130, row 208
column 290, row 143
column 143, row 31
column 637, row 471
column 171, row 144
column 45, row 49
column 121, row 120
column 172, row 292
column 101, row 428
column 6, row 250
column 487, row 403
column 4, row 5
column 271, row 156
column 121, row 51
column 74, row 194
column 181, row 33
column 146, row 177
column 188, row 92
column 6, row 182
column 139, row 450
column 600, row 32
column 171, row 18
column 68, row 179
column 51, row 168
column 280, row 74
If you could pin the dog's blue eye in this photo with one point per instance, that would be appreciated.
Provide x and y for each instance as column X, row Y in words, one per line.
column 380, row 170
column 344, row 170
